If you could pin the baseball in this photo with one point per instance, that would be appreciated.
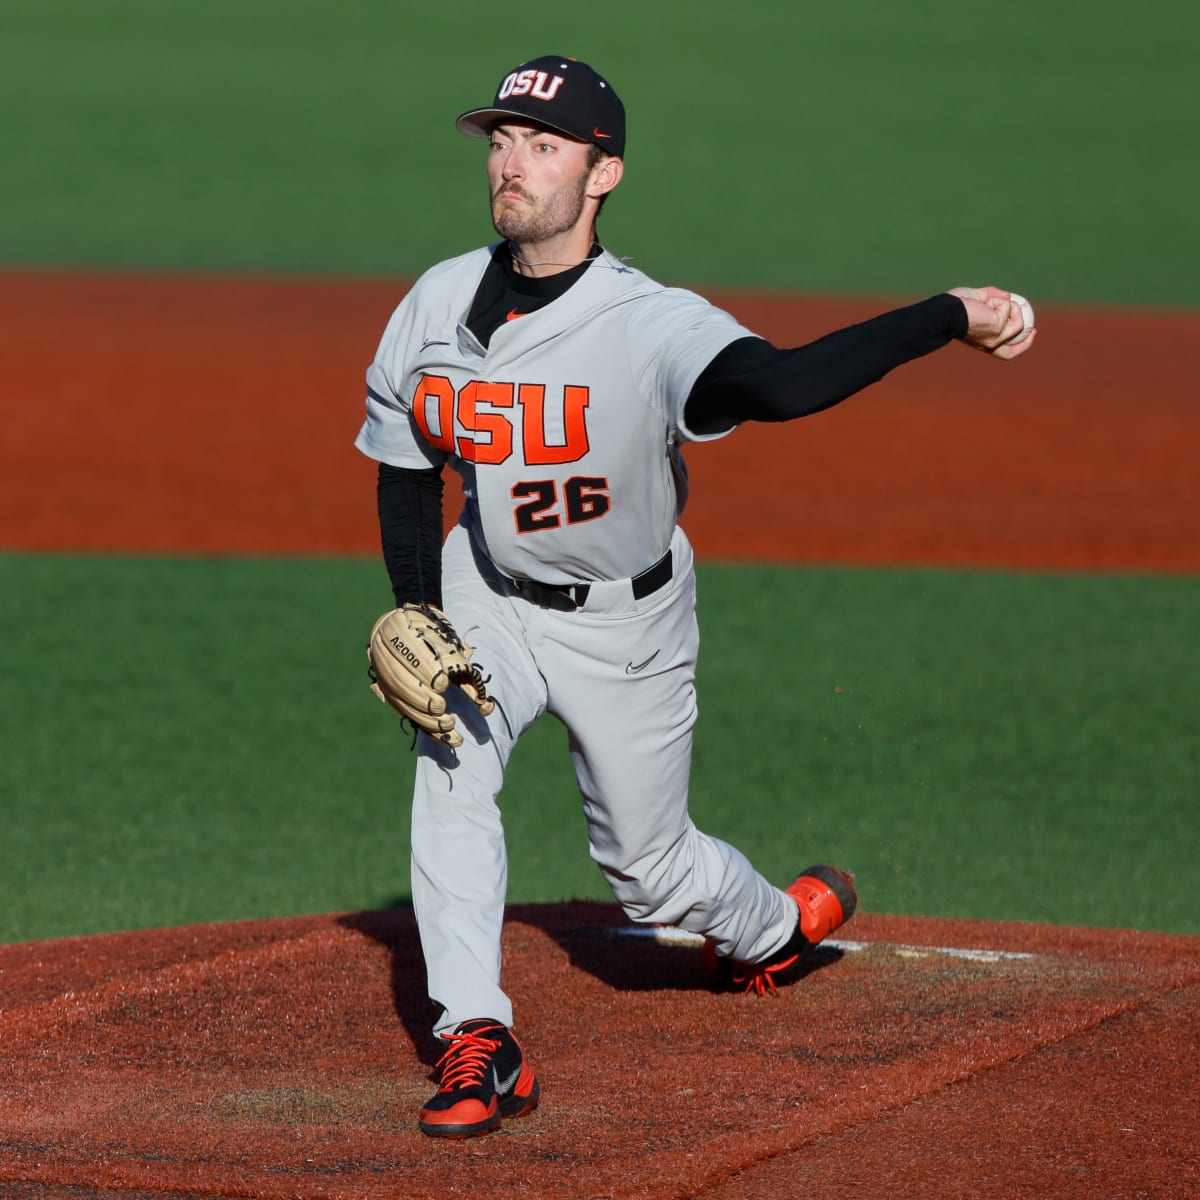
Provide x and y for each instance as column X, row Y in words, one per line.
column 1026, row 316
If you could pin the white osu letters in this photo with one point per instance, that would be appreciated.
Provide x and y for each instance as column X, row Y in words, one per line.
column 530, row 83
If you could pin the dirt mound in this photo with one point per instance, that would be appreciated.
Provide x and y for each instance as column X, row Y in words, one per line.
column 287, row 1059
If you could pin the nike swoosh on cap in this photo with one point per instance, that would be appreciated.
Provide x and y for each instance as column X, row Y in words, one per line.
column 596, row 133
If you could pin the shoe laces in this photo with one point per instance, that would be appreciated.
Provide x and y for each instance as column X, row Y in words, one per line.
column 466, row 1061
column 758, row 979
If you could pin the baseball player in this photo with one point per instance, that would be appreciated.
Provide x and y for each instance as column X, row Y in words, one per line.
column 562, row 384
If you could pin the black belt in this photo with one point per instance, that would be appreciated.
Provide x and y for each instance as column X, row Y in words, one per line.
column 567, row 597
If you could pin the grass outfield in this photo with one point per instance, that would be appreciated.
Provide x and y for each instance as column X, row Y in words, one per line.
column 875, row 147
column 191, row 740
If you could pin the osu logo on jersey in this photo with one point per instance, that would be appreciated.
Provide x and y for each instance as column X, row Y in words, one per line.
column 488, row 435
column 530, row 83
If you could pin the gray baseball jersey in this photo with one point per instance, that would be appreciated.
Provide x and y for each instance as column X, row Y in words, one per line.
column 565, row 428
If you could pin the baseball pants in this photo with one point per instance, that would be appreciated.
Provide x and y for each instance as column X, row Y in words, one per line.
column 619, row 674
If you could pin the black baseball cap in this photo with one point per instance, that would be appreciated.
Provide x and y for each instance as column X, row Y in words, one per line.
column 561, row 94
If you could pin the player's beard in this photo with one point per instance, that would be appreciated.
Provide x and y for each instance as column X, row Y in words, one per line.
column 533, row 222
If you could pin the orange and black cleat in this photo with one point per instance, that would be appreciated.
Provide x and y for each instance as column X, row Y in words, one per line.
column 483, row 1078
column 826, row 899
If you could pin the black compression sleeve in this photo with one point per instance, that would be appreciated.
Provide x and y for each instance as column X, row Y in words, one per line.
column 410, row 527
column 751, row 380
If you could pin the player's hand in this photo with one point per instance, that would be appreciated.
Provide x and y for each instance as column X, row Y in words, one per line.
column 992, row 321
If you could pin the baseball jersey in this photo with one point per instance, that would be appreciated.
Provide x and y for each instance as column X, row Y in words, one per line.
column 565, row 429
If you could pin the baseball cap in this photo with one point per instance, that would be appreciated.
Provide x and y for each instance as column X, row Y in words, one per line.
column 561, row 94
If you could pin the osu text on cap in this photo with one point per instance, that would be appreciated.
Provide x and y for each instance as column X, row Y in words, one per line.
column 530, row 83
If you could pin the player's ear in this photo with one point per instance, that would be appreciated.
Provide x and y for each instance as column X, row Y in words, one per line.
column 606, row 174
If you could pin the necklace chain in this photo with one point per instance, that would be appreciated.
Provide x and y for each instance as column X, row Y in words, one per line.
column 516, row 258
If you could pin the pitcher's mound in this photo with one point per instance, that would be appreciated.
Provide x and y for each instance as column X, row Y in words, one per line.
column 287, row 1059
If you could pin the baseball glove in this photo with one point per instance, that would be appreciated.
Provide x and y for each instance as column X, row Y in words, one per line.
column 414, row 656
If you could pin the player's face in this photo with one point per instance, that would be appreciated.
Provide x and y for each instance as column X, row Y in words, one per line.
column 537, row 181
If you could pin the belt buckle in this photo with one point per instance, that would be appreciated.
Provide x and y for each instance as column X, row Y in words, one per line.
column 560, row 599
column 557, row 598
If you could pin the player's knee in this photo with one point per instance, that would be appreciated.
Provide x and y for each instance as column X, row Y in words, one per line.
column 660, row 897
column 654, row 878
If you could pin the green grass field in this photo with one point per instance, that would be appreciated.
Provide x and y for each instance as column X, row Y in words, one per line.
column 988, row 745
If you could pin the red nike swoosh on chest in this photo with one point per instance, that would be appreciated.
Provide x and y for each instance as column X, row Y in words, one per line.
column 513, row 315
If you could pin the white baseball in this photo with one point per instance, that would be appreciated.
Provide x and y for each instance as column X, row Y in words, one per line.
column 1026, row 316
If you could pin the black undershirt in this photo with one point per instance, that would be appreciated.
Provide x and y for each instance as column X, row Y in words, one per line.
column 751, row 380
column 410, row 528
column 503, row 295
column 748, row 380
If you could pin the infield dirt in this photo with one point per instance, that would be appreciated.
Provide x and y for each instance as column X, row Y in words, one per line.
column 217, row 415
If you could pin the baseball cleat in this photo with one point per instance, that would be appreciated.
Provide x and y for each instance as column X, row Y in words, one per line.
column 826, row 899
column 483, row 1078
